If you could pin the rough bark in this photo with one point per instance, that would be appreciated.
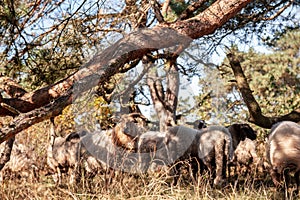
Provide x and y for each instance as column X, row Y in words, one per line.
column 165, row 100
column 26, row 120
column 106, row 64
column 14, row 90
column 256, row 115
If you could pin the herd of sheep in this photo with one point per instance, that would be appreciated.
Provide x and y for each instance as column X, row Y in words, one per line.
column 130, row 147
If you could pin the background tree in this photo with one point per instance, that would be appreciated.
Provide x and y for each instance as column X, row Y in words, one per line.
column 273, row 78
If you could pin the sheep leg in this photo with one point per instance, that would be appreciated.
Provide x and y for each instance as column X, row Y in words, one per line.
column 176, row 174
column 72, row 176
column 144, row 162
column 275, row 177
column 287, row 178
column 220, row 164
column 297, row 180
column 108, row 177
column 208, row 163
column 224, row 166
column 58, row 180
column 196, row 166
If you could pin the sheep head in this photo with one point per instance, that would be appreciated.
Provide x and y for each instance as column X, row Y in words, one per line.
column 243, row 131
column 199, row 124
column 127, row 131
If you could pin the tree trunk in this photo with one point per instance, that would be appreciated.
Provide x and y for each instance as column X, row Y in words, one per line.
column 165, row 100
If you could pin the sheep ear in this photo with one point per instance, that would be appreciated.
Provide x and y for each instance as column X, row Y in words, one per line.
column 249, row 132
column 71, row 136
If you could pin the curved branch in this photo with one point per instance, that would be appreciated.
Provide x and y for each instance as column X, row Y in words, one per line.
column 11, row 88
column 256, row 115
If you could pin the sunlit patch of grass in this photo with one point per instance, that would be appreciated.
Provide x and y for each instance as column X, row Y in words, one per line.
column 128, row 186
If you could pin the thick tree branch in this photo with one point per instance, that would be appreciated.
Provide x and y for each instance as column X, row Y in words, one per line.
column 256, row 115
column 26, row 120
column 210, row 19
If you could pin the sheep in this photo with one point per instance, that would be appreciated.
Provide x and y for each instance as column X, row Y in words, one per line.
column 102, row 146
column 90, row 165
column 200, row 124
column 240, row 132
column 209, row 146
column 63, row 155
column 245, row 156
column 127, row 130
column 283, row 152
column 21, row 164
column 243, row 145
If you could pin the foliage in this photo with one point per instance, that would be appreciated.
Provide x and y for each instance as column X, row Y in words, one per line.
column 85, row 113
column 45, row 41
column 176, row 7
column 274, row 79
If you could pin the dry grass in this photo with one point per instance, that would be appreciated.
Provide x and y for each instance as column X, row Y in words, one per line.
column 129, row 186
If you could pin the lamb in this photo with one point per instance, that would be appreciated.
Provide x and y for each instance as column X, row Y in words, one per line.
column 283, row 151
column 210, row 146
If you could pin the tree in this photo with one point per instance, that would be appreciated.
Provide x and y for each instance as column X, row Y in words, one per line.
column 271, row 78
column 199, row 19
column 268, row 83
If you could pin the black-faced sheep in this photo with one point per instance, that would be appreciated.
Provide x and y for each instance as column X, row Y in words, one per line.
column 240, row 132
column 283, row 151
column 243, row 137
column 211, row 146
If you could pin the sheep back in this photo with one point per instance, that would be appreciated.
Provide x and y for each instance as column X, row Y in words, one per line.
column 211, row 138
column 177, row 143
column 245, row 153
column 283, row 146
